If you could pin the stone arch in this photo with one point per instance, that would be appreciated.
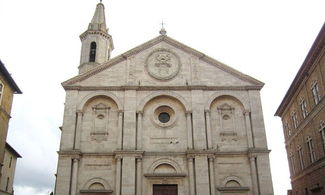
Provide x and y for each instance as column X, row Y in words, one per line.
column 233, row 179
column 164, row 93
column 98, row 181
column 165, row 161
column 100, row 93
column 217, row 95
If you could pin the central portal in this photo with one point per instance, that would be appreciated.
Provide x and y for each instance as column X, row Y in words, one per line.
column 165, row 189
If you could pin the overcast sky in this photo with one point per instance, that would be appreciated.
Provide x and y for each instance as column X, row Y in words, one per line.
column 40, row 46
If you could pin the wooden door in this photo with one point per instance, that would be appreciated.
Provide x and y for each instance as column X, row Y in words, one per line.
column 165, row 189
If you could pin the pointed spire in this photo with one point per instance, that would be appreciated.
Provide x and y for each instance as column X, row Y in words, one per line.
column 98, row 22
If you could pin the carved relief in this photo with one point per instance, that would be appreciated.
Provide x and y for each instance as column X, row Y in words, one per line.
column 163, row 64
column 227, row 118
column 100, row 122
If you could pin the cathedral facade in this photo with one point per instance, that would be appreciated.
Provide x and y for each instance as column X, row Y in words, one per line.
column 160, row 119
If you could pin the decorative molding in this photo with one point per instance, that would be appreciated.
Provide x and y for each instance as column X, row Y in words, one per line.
column 163, row 175
column 233, row 189
column 96, row 192
column 171, row 94
column 159, row 88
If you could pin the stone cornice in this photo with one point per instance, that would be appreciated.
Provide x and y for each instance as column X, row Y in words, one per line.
column 96, row 32
column 172, row 42
column 188, row 153
column 149, row 88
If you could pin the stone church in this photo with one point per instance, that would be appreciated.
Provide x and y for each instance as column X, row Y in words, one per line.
column 160, row 119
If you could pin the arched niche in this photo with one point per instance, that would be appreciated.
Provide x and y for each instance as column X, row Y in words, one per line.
column 233, row 184
column 95, row 94
column 96, row 186
column 170, row 94
column 234, row 95
column 164, row 168
column 227, row 122
column 164, row 124
column 99, row 122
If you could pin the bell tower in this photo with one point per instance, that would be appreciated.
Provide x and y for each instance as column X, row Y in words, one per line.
column 97, row 44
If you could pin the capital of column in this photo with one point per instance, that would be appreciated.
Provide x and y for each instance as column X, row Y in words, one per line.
column 80, row 112
column 190, row 157
column 118, row 157
column 211, row 158
column 207, row 111
column 138, row 159
column 246, row 112
column 75, row 160
column 140, row 112
column 252, row 156
column 120, row 112
column 188, row 112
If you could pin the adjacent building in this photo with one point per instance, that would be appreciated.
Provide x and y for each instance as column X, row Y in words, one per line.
column 302, row 112
column 160, row 119
column 8, row 88
column 8, row 170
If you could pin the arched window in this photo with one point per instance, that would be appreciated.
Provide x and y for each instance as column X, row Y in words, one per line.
column 92, row 53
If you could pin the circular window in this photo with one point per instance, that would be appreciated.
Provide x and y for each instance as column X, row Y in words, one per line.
column 164, row 117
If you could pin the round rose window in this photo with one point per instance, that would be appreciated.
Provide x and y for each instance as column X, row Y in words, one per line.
column 164, row 117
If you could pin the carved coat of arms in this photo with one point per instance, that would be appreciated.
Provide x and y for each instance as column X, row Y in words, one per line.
column 163, row 64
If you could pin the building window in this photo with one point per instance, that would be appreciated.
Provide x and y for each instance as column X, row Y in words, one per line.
column 7, row 184
column 311, row 151
column 315, row 93
column 301, row 157
column 303, row 107
column 92, row 54
column 322, row 135
column 294, row 119
column 1, row 91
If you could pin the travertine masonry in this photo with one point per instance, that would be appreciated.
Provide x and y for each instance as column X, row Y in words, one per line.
column 163, row 114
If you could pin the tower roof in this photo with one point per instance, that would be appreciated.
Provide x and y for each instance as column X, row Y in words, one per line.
column 98, row 21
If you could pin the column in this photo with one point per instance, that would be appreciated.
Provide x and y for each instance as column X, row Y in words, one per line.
column 191, row 175
column 189, row 130
column 208, row 127
column 254, row 174
column 139, row 133
column 74, row 177
column 129, row 120
column 202, row 174
column 128, row 175
column 118, row 175
column 211, row 171
column 78, row 130
column 139, row 176
column 198, row 119
column 250, row 141
column 120, row 130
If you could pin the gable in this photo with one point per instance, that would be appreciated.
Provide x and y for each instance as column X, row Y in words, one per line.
column 162, row 62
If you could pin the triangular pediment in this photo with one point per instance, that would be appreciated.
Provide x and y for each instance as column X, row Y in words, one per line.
column 168, row 59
